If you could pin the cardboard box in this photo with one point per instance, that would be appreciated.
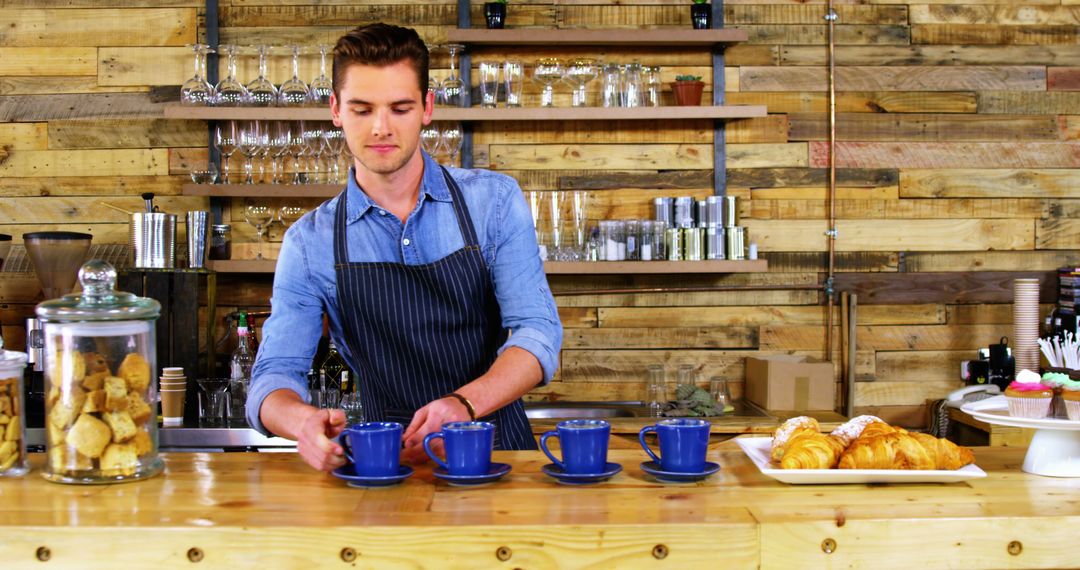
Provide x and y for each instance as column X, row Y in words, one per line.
column 784, row 382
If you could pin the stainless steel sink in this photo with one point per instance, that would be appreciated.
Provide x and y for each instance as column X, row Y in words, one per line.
column 570, row 410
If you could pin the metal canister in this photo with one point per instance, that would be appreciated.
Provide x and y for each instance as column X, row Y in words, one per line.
column 153, row 240
column 684, row 212
column 736, row 243
column 714, row 211
column 673, row 241
column 714, row 243
column 664, row 210
column 693, row 244
column 731, row 211
column 702, row 218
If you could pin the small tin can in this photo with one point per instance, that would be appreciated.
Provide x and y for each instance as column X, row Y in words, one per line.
column 664, row 211
column 673, row 238
column 714, row 243
column 736, row 243
column 693, row 244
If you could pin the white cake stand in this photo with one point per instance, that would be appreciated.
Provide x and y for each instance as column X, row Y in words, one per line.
column 1054, row 450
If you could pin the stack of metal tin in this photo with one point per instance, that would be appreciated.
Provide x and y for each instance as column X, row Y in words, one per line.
column 701, row 229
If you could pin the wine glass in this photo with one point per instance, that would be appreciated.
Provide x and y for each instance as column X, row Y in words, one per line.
column 453, row 88
column 278, row 142
column 288, row 215
column 431, row 138
column 580, row 72
column 258, row 216
column 225, row 138
column 196, row 90
column 294, row 92
column 321, row 87
column 263, row 93
column 296, row 149
column 548, row 70
column 333, row 140
column 313, row 147
column 229, row 91
column 251, row 141
column 452, row 139
column 203, row 172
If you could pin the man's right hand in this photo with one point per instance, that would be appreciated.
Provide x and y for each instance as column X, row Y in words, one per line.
column 313, row 439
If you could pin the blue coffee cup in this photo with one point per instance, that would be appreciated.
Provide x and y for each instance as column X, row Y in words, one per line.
column 468, row 447
column 374, row 448
column 584, row 446
column 683, row 443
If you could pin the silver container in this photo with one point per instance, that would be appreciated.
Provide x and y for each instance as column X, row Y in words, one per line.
column 702, row 219
column 664, row 211
column 196, row 238
column 731, row 211
column 684, row 212
column 736, row 243
column 153, row 240
column 693, row 244
column 714, row 211
column 714, row 243
column 673, row 241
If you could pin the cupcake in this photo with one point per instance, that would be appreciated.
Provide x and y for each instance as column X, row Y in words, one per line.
column 1070, row 398
column 1056, row 381
column 1028, row 397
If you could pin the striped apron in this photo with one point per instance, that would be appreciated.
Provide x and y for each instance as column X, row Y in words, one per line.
column 420, row 332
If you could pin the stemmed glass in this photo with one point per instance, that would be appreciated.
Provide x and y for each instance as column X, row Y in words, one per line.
column 203, row 172
column 225, row 138
column 321, row 87
column 229, row 91
column 433, row 84
column 579, row 204
column 333, row 140
column 452, row 138
column 453, row 88
column 431, row 138
column 296, row 149
column 258, row 216
column 548, row 70
column 535, row 199
column 313, row 146
column 252, row 140
column 579, row 73
column 294, row 92
column 263, row 93
column 288, row 215
column 556, row 200
column 196, row 90
column 277, row 144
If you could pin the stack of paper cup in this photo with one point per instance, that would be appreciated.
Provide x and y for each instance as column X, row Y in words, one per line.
column 1025, row 345
column 173, row 388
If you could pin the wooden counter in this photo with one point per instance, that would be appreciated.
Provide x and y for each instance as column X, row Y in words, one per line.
column 271, row 511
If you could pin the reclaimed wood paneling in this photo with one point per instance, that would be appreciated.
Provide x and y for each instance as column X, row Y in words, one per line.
column 98, row 26
column 860, row 102
column 758, row 316
column 27, row 108
column 24, row 136
column 145, row 66
column 1063, row 78
column 818, row 35
column 905, row 366
column 814, row 208
column 45, row 85
column 651, row 157
column 948, row 155
column 92, row 185
column 989, row 183
column 845, row 261
column 738, row 15
column 1035, row 102
column 912, row 393
column 993, row 34
column 884, row 338
column 995, row 15
column 893, row 235
column 126, row 162
column 989, row 261
column 955, row 55
column 924, row 127
column 807, row 193
column 48, row 61
column 1057, row 234
column 895, row 78
column 949, row 288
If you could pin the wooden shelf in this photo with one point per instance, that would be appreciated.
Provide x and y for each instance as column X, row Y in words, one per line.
column 616, row 37
column 481, row 114
column 559, row 267
column 263, row 190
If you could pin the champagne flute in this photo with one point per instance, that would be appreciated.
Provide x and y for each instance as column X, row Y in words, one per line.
column 196, row 90
column 225, row 138
column 263, row 93
column 258, row 216
column 294, row 92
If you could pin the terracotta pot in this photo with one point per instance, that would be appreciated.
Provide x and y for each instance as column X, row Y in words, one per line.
column 688, row 93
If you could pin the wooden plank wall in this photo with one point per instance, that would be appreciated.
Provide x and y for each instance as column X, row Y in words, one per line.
column 958, row 156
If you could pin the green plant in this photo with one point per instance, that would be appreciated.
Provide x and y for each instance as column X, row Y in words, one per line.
column 687, row 78
column 701, row 1
column 504, row 1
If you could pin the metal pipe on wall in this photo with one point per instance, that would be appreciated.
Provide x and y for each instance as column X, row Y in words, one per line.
column 830, row 190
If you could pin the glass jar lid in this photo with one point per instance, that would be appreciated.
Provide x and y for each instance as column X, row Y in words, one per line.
column 99, row 300
column 10, row 359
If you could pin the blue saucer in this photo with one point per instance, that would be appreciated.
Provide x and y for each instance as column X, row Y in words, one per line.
column 496, row 471
column 653, row 468
column 348, row 473
column 581, row 478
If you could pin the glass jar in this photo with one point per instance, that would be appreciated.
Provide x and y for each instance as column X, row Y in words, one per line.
column 100, row 359
column 221, row 241
column 13, row 461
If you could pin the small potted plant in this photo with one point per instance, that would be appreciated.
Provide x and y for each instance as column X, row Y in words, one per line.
column 495, row 14
column 701, row 14
column 687, row 90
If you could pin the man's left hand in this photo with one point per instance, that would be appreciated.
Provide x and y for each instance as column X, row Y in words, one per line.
column 430, row 419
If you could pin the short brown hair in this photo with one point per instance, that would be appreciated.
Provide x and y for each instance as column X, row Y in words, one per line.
column 380, row 45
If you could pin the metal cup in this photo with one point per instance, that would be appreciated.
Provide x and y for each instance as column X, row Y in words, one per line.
column 153, row 240
column 196, row 238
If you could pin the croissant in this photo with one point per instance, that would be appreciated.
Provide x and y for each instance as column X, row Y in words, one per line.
column 887, row 451
column 946, row 454
column 811, row 450
column 787, row 431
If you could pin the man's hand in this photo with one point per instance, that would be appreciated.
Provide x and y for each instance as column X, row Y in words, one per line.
column 427, row 420
column 313, row 439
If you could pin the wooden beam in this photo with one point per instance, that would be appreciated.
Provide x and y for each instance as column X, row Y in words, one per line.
column 70, row 27
column 31, row 108
column 895, row 78
column 948, row 155
column 948, row 288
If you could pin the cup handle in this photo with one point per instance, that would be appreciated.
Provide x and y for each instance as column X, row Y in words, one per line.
column 645, row 446
column 431, row 454
column 544, row 448
column 343, row 440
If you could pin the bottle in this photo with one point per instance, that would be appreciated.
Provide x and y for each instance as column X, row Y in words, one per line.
column 350, row 400
column 243, row 358
column 333, row 365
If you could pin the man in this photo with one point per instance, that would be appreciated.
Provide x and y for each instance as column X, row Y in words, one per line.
column 422, row 271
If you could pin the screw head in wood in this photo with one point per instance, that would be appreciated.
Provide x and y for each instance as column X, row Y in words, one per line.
column 1015, row 548
column 195, row 554
column 348, row 554
column 503, row 553
column 660, row 551
column 828, row 546
column 43, row 553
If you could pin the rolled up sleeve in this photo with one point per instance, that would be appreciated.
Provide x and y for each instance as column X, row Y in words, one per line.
column 521, row 287
column 291, row 334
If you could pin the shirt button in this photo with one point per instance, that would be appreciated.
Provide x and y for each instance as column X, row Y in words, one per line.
column 382, row 212
column 406, row 241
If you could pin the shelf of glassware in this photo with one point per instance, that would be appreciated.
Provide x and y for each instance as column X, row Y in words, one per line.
column 482, row 114
column 559, row 267
column 612, row 37
column 262, row 190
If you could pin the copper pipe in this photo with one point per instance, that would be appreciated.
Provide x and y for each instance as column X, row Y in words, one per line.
column 710, row 289
column 831, row 190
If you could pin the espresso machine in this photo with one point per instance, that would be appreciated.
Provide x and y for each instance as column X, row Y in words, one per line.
column 56, row 258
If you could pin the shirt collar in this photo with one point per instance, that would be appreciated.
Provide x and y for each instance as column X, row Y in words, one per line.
column 432, row 185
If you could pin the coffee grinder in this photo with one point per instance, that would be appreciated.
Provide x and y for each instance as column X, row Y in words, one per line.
column 56, row 258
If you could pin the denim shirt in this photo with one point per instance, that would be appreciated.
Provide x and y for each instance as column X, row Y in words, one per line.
column 305, row 281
